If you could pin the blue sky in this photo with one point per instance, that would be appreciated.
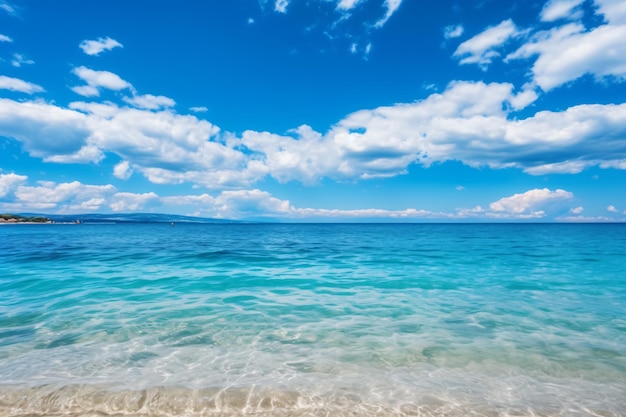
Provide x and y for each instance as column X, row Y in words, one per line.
column 315, row 110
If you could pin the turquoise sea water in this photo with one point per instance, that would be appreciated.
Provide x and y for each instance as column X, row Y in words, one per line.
column 313, row 320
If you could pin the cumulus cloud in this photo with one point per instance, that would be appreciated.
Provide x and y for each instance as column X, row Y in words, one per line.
column 612, row 209
column 250, row 202
column 60, row 197
column 281, row 6
column 15, row 84
column 568, row 52
column 123, row 170
column 95, row 47
column 150, row 102
column 453, row 31
column 577, row 210
column 347, row 4
column 122, row 202
column 88, row 152
column 45, row 130
column 533, row 204
column 167, row 148
column 530, row 201
column 561, row 9
column 5, row 38
column 9, row 181
column 19, row 60
column 96, row 80
column 257, row 203
column 307, row 156
column 164, row 146
column 391, row 7
column 614, row 11
column 468, row 122
column 482, row 48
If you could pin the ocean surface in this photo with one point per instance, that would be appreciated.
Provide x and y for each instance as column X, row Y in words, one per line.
column 313, row 320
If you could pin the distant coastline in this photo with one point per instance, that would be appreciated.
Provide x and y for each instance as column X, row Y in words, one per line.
column 98, row 218
column 17, row 219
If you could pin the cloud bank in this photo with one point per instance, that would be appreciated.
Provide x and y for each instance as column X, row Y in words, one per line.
column 75, row 197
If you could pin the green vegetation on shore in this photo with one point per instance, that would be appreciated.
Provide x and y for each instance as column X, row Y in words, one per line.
column 14, row 218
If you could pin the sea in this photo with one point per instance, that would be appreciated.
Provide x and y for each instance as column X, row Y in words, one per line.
column 313, row 320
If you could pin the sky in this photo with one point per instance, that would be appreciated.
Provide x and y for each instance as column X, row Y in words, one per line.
column 315, row 110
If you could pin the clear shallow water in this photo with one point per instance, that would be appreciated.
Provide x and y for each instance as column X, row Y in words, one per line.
column 308, row 320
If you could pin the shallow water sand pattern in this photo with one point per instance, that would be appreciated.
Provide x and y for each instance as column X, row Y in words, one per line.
column 93, row 401
column 313, row 320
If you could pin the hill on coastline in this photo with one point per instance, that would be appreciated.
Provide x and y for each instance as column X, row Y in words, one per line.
column 15, row 218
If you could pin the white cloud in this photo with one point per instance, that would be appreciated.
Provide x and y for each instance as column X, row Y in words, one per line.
column 8, row 8
column 566, row 167
column 164, row 146
column 561, row 9
column 453, row 31
column 568, row 52
column 88, row 153
column 391, row 6
column 524, row 98
column 123, row 170
column 460, row 188
column 354, row 49
column 5, row 38
column 250, row 202
column 614, row 11
column 577, row 210
column 585, row 219
column 529, row 201
column 281, row 6
column 19, row 60
column 257, row 203
column 95, row 47
column 86, row 91
column 347, row 4
column 9, row 181
column 131, row 201
column 612, row 209
column 405, row 214
column 150, row 102
column 96, row 80
column 306, row 157
column 469, row 122
column 89, row 205
column 199, row 109
column 481, row 49
column 60, row 197
column 45, row 130
column 15, row 84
